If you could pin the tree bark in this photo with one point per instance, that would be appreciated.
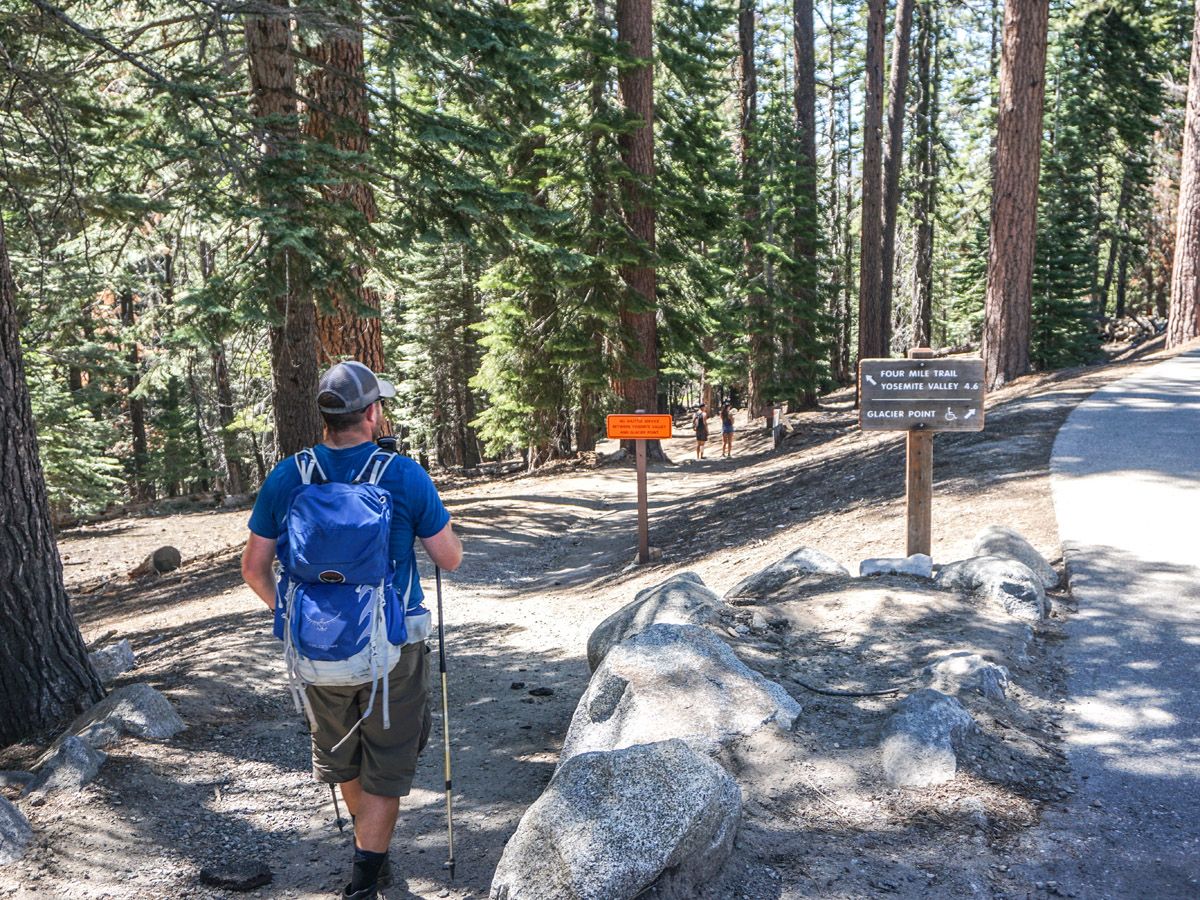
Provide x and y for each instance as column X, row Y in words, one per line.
column 870, row 319
column 836, row 346
column 926, row 166
column 348, row 322
column 142, row 488
column 805, row 245
column 45, row 675
column 1183, row 317
column 893, row 158
column 638, row 383
column 1013, row 227
column 294, row 335
column 756, row 328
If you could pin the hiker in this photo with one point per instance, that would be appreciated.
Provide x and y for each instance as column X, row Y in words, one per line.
column 365, row 692
column 726, row 430
column 700, row 424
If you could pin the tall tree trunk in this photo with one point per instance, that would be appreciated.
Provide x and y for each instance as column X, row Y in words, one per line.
column 638, row 385
column 758, row 361
column 835, row 203
column 893, row 157
column 926, row 165
column 234, row 478
column 1116, row 245
column 1122, row 279
column 870, row 319
column 1014, row 191
column 198, row 423
column 44, row 670
column 847, row 240
column 806, row 213
column 1183, row 318
column 598, row 205
column 348, row 322
column 142, row 489
column 294, row 334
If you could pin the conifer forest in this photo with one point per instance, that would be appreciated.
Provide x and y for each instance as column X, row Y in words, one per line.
column 531, row 213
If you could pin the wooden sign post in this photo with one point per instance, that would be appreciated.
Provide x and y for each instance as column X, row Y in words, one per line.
column 639, row 428
column 920, row 395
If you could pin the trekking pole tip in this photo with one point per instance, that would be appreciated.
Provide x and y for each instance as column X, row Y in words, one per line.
column 448, row 865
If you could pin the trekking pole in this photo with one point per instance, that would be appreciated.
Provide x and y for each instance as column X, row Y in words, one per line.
column 449, row 864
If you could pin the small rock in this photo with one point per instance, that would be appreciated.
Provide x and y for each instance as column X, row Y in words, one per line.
column 113, row 660
column 675, row 681
column 517, row 685
column 1005, row 581
column 800, row 563
column 15, row 780
column 758, row 624
column 1006, row 543
column 963, row 670
column 69, row 768
column 136, row 709
column 239, row 877
column 918, row 565
column 164, row 559
column 615, row 824
column 742, row 629
column 542, row 692
column 920, row 739
column 683, row 599
column 15, row 833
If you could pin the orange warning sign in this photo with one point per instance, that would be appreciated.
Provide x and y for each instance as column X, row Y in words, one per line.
column 638, row 427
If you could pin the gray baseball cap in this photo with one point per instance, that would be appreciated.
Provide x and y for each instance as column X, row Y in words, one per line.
column 355, row 387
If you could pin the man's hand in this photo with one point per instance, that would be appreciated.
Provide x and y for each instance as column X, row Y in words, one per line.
column 444, row 548
column 257, row 559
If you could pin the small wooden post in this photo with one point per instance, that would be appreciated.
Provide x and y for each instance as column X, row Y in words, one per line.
column 643, row 505
column 919, row 480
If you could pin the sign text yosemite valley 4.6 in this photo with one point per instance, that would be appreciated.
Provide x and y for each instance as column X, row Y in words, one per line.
column 922, row 394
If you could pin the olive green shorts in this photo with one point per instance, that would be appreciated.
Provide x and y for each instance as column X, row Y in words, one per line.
column 383, row 760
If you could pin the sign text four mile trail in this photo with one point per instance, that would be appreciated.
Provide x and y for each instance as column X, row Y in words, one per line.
column 922, row 394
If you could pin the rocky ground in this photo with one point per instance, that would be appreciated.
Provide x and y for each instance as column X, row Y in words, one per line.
column 548, row 558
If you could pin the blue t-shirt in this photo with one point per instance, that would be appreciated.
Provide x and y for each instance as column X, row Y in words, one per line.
column 417, row 510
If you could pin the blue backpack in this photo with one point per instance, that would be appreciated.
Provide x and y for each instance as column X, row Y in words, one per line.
column 336, row 606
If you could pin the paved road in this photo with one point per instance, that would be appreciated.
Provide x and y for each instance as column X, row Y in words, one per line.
column 1126, row 482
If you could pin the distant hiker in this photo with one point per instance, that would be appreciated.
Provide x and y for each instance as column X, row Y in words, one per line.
column 341, row 517
column 700, row 425
column 726, row 430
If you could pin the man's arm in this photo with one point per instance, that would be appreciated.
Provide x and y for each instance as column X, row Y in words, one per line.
column 257, row 560
column 444, row 548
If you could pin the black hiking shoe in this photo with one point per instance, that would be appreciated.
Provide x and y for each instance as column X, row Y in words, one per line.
column 385, row 874
column 383, row 880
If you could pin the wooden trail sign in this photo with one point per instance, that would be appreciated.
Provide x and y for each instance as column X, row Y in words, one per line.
column 639, row 428
column 920, row 395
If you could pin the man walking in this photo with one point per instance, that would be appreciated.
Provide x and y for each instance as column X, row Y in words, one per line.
column 368, row 749
column 700, row 426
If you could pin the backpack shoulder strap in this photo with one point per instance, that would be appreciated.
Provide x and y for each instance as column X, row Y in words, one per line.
column 377, row 464
column 307, row 463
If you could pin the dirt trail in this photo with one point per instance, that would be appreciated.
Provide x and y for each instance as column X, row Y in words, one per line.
column 546, row 559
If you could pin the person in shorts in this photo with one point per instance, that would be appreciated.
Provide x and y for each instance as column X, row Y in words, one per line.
column 726, row 430
column 700, row 426
column 375, row 766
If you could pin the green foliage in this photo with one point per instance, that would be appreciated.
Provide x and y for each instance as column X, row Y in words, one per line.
column 1107, row 96
column 81, row 476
